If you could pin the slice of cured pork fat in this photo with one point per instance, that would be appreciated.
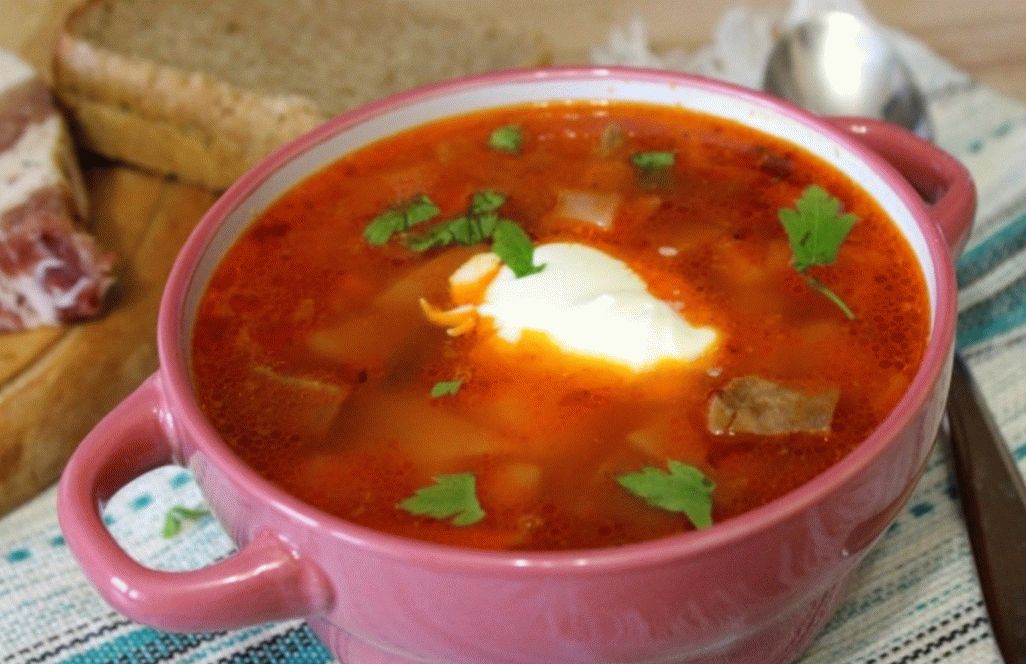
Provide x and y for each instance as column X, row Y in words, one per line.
column 51, row 271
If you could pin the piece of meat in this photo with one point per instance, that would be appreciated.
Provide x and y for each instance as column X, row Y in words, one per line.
column 750, row 404
column 51, row 271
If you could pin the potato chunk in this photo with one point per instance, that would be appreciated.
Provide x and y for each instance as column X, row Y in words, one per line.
column 314, row 403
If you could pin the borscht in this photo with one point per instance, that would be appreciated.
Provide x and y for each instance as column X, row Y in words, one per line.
column 559, row 326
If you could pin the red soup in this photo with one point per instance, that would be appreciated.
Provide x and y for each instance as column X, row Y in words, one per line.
column 560, row 326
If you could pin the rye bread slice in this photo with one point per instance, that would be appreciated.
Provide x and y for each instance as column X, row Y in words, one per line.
column 202, row 90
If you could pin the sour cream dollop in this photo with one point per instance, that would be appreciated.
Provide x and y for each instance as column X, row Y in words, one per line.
column 591, row 304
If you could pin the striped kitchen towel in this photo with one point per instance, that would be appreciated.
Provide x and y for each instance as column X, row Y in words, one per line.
column 915, row 599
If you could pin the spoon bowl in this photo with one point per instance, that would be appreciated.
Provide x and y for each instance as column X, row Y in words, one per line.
column 838, row 64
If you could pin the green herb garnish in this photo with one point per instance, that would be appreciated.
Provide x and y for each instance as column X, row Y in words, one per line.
column 655, row 160
column 461, row 230
column 381, row 229
column 450, row 496
column 816, row 228
column 683, row 489
column 486, row 201
column 446, row 388
column 506, row 139
column 476, row 226
column 482, row 222
column 515, row 248
column 179, row 514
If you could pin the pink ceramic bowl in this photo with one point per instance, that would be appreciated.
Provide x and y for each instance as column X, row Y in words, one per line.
column 754, row 589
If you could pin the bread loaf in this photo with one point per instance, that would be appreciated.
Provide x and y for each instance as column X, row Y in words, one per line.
column 202, row 90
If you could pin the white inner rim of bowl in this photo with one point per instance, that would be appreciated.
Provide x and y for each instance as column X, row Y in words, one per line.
column 447, row 103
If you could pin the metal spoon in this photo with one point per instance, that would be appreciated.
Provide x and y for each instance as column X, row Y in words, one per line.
column 837, row 64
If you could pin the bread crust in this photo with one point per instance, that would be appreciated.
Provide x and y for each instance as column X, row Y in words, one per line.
column 162, row 146
column 180, row 122
column 160, row 117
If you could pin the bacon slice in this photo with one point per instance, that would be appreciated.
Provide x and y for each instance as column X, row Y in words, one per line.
column 51, row 271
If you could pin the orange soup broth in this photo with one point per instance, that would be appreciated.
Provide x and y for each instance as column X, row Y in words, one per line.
column 302, row 314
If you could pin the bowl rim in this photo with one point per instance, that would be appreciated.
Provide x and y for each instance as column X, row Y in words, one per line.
column 184, row 413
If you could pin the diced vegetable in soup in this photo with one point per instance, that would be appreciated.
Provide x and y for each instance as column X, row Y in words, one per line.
column 557, row 327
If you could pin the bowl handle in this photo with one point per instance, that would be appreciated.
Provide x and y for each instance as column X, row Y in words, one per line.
column 941, row 180
column 266, row 580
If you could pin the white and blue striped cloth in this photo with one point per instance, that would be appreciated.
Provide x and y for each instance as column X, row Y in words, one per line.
column 915, row 599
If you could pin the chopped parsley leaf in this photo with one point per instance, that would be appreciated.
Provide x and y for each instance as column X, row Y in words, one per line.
column 446, row 388
column 683, row 489
column 177, row 515
column 450, row 496
column 481, row 222
column 515, row 248
column 506, row 139
column 381, row 229
column 486, row 201
column 461, row 230
column 476, row 226
column 816, row 228
column 655, row 160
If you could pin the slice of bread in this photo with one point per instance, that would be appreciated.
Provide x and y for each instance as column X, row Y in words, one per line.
column 202, row 90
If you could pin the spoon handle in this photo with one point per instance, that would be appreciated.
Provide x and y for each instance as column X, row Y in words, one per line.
column 994, row 503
